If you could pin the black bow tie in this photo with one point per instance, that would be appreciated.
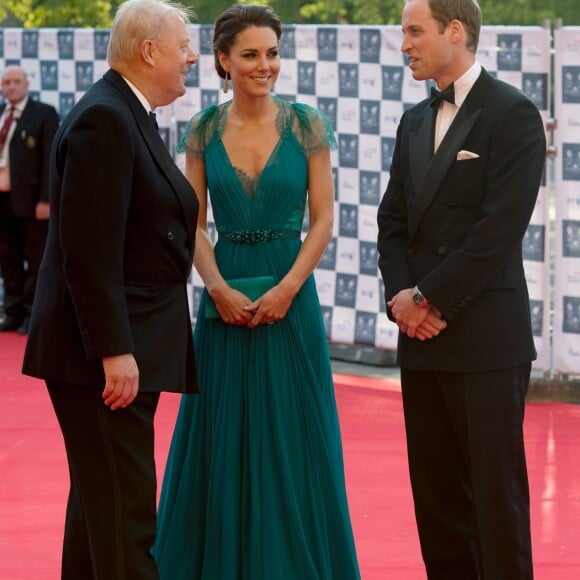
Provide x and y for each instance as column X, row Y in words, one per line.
column 446, row 95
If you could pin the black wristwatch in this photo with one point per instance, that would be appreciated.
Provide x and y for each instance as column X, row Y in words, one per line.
column 419, row 299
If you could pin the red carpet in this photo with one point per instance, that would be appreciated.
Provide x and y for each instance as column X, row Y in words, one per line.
column 33, row 477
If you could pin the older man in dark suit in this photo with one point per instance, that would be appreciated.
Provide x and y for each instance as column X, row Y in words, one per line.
column 27, row 128
column 110, row 325
column 464, row 181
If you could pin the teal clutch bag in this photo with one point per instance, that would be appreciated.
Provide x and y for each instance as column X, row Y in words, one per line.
column 253, row 288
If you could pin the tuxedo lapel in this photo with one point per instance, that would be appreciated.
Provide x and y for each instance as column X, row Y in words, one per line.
column 173, row 173
column 157, row 146
column 421, row 136
column 431, row 177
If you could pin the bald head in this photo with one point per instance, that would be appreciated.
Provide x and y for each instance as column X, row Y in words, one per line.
column 14, row 84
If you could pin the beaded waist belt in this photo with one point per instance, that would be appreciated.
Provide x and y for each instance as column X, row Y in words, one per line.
column 257, row 236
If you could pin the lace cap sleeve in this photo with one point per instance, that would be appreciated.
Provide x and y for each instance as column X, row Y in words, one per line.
column 197, row 133
column 315, row 131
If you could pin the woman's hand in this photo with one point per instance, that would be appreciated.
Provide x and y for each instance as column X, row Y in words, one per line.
column 271, row 306
column 232, row 305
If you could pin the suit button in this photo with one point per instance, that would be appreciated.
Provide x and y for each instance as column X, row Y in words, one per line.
column 442, row 250
column 170, row 236
column 410, row 252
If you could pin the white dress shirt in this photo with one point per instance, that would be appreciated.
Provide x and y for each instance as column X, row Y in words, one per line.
column 5, row 153
column 447, row 111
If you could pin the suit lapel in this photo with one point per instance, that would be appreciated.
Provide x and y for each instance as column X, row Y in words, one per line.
column 421, row 137
column 20, row 123
column 157, row 147
column 429, row 172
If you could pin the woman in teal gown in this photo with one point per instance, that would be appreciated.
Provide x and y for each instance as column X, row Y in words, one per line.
column 254, row 485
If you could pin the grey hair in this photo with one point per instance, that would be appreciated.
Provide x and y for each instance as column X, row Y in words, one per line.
column 140, row 20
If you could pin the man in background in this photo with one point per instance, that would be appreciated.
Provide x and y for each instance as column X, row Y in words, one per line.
column 110, row 325
column 27, row 128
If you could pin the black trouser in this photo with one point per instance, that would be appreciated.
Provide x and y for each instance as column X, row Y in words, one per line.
column 468, row 472
column 22, row 242
column 111, row 511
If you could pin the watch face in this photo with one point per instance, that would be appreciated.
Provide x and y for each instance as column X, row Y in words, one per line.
column 418, row 298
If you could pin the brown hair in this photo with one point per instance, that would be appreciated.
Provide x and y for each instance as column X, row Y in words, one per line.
column 467, row 12
column 235, row 20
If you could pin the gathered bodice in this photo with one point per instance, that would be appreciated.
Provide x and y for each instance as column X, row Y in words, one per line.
column 276, row 198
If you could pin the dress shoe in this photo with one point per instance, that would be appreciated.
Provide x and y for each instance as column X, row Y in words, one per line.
column 23, row 328
column 9, row 324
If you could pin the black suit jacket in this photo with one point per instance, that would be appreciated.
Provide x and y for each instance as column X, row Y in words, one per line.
column 455, row 228
column 119, row 249
column 29, row 156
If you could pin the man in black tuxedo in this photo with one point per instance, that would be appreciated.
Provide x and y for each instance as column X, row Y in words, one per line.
column 27, row 128
column 110, row 324
column 451, row 225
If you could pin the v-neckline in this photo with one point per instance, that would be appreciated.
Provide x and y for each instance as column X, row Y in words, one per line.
column 241, row 175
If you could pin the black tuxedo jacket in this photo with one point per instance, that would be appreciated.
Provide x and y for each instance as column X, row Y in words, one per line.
column 455, row 227
column 29, row 156
column 119, row 249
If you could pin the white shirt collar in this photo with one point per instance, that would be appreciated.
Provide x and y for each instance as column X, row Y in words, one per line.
column 18, row 107
column 465, row 82
column 139, row 95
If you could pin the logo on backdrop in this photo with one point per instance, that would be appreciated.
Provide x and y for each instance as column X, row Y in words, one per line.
column 537, row 317
column 348, row 150
column 49, row 75
column 571, row 162
column 571, row 238
column 368, row 258
column 571, row 322
column 392, row 82
column 348, row 224
column 287, row 46
column 327, row 42
column 66, row 102
column 370, row 45
column 571, row 84
column 30, row 44
column 307, row 78
column 345, row 293
column 101, row 43
column 328, row 106
column 369, row 117
column 369, row 187
column 364, row 329
column 509, row 56
column 387, row 150
column 65, row 45
column 84, row 75
column 347, row 80
column 533, row 243
column 535, row 85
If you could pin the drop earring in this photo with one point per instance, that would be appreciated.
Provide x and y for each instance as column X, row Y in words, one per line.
column 226, row 83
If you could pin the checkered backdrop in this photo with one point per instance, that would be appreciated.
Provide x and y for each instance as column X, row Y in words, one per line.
column 566, row 328
column 358, row 77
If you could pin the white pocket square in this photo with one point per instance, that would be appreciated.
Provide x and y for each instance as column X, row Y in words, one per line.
column 463, row 154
